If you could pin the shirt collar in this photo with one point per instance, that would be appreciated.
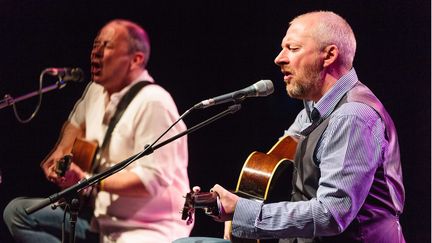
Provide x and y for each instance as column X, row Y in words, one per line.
column 328, row 102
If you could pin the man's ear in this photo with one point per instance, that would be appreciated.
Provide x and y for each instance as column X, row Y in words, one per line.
column 331, row 54
column 138, row 59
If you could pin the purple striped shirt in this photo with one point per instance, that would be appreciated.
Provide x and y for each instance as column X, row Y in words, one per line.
column 348, row 155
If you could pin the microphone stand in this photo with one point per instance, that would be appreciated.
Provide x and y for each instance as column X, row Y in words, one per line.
column 73, row 191
column 9, row 100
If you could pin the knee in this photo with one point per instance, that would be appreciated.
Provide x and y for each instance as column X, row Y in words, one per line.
column 14, row 212
column 201, row 240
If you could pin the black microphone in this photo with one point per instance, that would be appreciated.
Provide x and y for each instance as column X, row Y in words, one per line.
column 260, row 88
column 67, row 74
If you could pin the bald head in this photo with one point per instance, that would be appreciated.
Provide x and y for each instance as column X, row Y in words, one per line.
column 328, row 28
column 137, row 37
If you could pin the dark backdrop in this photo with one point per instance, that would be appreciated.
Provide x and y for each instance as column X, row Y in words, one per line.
column 202, row 49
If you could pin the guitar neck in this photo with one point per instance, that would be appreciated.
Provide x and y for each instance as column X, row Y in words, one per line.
column 208, row 201
column 204, row 199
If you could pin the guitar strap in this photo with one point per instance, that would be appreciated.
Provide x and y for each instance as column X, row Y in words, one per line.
column 121, row 107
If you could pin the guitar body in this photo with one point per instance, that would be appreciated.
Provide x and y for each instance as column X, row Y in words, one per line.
column 267, row 177
column 261, row 171
column 83, row 154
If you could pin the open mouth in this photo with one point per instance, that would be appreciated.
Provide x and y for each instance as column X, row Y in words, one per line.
column 96, row 67
column 287, row 75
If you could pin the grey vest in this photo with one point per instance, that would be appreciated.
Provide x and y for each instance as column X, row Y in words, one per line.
column 377, row 220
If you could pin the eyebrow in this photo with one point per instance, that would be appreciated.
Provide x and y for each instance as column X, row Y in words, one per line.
column 104, row 43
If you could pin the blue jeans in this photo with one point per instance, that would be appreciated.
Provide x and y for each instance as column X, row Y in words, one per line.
column 200, row 240
column 44, row 225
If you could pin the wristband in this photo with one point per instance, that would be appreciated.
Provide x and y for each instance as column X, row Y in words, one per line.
column 101, row 185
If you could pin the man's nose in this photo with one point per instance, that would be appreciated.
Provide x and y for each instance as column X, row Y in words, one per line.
column 97, row 51
column 281, row 58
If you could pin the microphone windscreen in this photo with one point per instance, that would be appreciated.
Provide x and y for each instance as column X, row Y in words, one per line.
column 76, row 75
column 264, row 87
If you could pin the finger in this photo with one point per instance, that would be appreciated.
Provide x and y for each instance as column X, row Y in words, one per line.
column 50, row 177
column 217, row 189
column 53, row 180
column 53, row 175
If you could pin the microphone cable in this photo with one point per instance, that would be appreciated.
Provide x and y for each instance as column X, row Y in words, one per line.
column 10, row 100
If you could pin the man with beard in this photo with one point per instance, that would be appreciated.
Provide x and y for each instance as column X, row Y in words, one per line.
column 347, row 181
column 141, row 202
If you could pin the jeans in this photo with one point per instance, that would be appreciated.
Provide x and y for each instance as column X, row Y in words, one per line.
column 44, row 225
column 200, row 240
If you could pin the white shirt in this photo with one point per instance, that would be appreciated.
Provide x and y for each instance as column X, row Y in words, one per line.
column 163, row 173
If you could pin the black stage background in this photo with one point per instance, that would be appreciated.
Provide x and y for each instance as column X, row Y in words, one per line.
column 201, row 49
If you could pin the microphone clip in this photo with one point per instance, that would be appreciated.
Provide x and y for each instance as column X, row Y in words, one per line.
column 65, row 75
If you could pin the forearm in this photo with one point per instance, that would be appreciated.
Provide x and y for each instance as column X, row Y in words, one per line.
column 328, row 214
column 124, row 184
column 67, row 136
column 253, row 219
column 66, row 140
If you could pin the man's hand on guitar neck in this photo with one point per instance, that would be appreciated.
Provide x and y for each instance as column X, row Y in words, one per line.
column 228, row 202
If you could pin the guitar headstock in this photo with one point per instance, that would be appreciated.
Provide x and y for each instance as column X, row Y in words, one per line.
column 188, row 209
column 208, row 201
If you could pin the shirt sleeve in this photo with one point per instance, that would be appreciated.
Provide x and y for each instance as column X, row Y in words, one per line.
column 298, row 125
column 348, row 156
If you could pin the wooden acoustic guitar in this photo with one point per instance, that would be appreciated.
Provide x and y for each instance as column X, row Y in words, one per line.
column 83, row 154
column 266, row 177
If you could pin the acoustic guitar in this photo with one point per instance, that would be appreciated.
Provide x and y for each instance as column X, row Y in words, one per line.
column 266, row 177
column 83, row 154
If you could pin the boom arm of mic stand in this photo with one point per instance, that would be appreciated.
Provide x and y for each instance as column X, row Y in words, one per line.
column 9, row 100
column 231, row 110
column 119, row 166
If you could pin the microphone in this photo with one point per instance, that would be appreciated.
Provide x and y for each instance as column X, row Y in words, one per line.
column 67, row 74
column 258, row 89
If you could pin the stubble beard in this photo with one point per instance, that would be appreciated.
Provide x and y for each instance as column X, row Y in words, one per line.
column 307, row 84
